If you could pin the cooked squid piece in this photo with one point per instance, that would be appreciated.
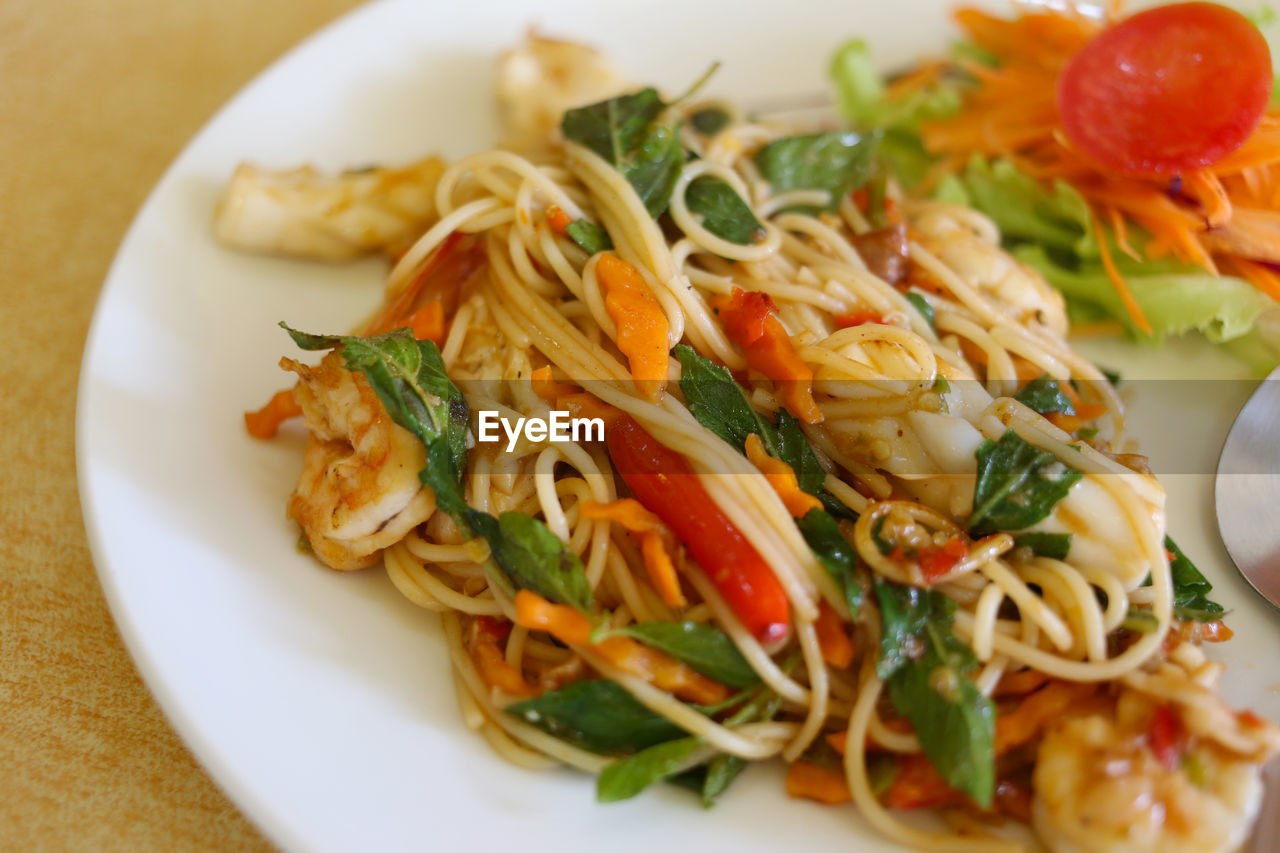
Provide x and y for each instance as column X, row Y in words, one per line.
column 305, row 213
column 543, row 77
column 1172, row 768
column 359, row 490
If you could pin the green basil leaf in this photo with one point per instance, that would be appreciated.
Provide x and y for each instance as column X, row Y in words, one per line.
column 926, row 311
column 925, row 665
column 590, row 237
column 905, row 611
column 1055, row 545
column 954, row 722
column 1190, row 589
column 1018, row 485
column 710, row 120
column 793, row 448
column 723, row 211
column 626, row 777
column 835, row 552
column 627, row 132
column 721, row 771
column 533, row 557
column 838, row 162
column 836, row 507
column 718, row 402
column 705, row 648
column 599, row 716
column 1044, row 395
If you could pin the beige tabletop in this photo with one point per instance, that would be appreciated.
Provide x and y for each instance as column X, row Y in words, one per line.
column 96, row 97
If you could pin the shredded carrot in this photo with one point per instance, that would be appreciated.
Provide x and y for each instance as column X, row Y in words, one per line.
column 833, row 639
column 546, row 387
column 1131, row 306
column 572, row 627
column 558, row 219
column 782, row 478
column 750, row 322
column 641, row 322
column 1260, row 276
column 265, row 422
column 1012, row 114
column 1121, row 231
column 656, row 542
column 1204, row 186
column 810, row 782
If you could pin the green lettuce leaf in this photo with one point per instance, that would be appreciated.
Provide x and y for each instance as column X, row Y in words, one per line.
column 1175, row 297
column 1025, row 210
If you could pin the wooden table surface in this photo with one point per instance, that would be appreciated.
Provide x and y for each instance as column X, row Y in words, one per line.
column 96, row 97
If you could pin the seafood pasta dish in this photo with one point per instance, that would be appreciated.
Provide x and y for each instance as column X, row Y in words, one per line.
column 716, row 438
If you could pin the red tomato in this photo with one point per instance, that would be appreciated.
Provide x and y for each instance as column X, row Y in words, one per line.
column 665, row 484
column 1168, row 736
column 1166, row 90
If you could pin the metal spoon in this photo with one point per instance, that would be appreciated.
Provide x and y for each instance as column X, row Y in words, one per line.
column 1247, row 490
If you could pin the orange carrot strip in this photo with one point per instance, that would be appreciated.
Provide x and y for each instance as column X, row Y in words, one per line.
column 660, row 569
column 1121, row 231
column 494, row 668
column 654, row 540
column 917, row 785
column 265, row 422
column 1017, row 683
column 572, row 627
column 833, row 639
column 1208, row 190
column 558, row 219
column 811, row 782
column 1258, row 275
column 1131, row 306
column 781, row 477
column 1025, row 722
column 546, row 387
column 641, row 322
column 427, row 322
column 662, row 670
column 559, row 620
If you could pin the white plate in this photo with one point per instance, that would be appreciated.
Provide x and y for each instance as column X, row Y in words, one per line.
column 320, row 701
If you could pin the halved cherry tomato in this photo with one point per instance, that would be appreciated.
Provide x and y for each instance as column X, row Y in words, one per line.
column 1168, row 736
column 1167, row 90
column 665, row 484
